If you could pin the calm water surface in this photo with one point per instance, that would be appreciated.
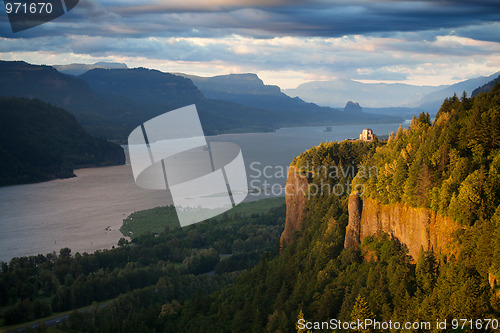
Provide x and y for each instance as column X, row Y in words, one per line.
column 84, row 213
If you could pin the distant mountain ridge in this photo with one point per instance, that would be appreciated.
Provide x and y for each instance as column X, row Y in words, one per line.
column 248, row 89
column 249, row 83
column 225, row 102
column 487, row 87
column 374, row 95
column 110, row 103
column 78, row 69
column 116, row 111
column 143, row 85
column 432, row 101
column 104, row 116
column 159, row 92
column 387, row 97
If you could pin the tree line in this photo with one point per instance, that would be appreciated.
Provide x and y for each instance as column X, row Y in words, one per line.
column 36, row 286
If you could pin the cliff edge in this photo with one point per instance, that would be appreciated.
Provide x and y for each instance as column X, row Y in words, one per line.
column 295, row 190
column 415, row 227
column 352, row 232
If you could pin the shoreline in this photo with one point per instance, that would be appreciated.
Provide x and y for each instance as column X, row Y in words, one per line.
column 129, row 238
column 75, row 211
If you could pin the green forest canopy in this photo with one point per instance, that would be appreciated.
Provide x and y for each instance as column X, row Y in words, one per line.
column 450, row 165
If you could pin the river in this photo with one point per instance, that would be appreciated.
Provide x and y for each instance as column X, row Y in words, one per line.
column 85, row 213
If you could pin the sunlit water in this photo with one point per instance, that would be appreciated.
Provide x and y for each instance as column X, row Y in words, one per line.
column 84, row 213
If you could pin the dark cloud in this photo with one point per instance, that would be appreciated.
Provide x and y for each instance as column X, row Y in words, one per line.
column 360, row 39
column 262, row 19
column 379, row 17
column 94, row 11
column 485, row 32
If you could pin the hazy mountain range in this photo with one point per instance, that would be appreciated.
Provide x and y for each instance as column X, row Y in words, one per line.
column 433, row 100
column 379, row 98
column 487, row 87
column 248, row 89
column 375, row 95
column 382, row 95
column 79, row 69
column 110, row 103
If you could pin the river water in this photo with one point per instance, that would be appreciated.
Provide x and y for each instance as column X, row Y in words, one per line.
column 84, row 213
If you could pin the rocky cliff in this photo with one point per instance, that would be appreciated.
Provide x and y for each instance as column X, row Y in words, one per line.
column 415, row 227
column 295, row 190
column 352, row 233
column 353, row 108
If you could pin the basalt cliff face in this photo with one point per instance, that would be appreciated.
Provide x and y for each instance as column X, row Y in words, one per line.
column 417, row 228
column 295, row 190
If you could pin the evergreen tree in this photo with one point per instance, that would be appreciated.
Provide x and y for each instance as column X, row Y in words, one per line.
column 300, row 318
column 361, row 311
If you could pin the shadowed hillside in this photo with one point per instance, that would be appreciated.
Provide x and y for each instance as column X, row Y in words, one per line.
column 40, row 142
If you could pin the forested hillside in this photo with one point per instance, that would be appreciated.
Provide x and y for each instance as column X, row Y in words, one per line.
column 40, row 142
column 120, row 100
column 487, row 87
column 150, row 277
column 450, row 166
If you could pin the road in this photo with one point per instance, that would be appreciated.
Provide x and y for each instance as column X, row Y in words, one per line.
column 52, row 321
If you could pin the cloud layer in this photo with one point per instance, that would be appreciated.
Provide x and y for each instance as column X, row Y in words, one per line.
column 414, row 41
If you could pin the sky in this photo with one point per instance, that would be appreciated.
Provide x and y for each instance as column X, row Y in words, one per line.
column 286, row 43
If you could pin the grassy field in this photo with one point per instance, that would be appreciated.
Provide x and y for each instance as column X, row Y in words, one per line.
column 157, row 219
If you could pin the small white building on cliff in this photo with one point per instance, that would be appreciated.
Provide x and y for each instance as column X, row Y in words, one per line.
column 366, row 135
